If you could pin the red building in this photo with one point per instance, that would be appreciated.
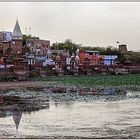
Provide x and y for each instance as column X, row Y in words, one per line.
column 3, row 44
column 17, row 42
column 92, row 58
column 13, row 41
column 89, row 57
column 37, row 46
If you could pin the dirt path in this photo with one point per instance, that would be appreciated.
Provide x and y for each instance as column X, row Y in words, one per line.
column 18, row 84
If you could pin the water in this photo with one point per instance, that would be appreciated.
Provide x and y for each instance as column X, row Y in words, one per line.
column 61, row 116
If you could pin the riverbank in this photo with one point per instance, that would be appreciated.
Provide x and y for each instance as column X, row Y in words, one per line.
column 19, row 85
column 120, row 81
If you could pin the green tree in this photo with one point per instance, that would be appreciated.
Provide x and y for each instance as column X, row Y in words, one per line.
column 25, row 37
column 8, row 51
column 67, row 45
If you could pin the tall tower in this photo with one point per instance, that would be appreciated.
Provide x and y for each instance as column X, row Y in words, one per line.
column 17, row 42
column 17, row 34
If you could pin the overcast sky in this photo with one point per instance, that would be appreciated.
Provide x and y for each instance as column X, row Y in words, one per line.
column 87, row 23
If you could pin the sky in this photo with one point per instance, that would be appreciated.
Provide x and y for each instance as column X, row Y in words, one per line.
column 87, row 23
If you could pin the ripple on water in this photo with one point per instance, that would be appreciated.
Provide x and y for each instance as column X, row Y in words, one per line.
column 67, row 116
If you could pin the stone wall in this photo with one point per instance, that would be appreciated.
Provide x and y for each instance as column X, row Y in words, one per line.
column 7, row 73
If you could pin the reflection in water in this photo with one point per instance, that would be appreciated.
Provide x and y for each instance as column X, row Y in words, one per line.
column 76, row 90
column 17, row 116
column 12, row 111
column 106, row 114
column 112, row 105
column 1, row 99
column 15, row 106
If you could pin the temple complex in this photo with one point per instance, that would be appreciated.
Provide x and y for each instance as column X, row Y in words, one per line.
column 20, row 56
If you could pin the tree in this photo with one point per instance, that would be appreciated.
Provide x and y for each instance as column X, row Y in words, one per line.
column 133, row 57
column 67, row 45
column 25, row 37
column 8, row 51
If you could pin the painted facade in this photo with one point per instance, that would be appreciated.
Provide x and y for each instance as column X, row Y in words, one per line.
column 93, row 58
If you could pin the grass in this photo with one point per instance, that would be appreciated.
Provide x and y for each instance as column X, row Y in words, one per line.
column 132, row 80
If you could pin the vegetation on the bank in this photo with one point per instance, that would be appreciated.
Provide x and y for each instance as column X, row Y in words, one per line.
column 109, row 50
column 90, row 81
column 72, row 47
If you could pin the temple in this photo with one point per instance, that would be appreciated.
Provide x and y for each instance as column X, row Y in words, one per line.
column 17, row 34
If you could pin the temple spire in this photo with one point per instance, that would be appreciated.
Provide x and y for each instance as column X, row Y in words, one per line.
column 17, row 34
column 17, row 114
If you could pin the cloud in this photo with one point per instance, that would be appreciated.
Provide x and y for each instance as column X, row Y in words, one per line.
column 96, row 23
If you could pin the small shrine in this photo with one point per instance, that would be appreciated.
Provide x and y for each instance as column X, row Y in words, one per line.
column 74, row 63
column 59, row 66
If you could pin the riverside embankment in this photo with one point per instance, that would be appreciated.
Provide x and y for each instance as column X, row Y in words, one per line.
column 119, row 81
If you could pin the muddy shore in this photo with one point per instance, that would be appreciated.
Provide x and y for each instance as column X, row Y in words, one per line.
column 40, row 85
column 19, row 84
